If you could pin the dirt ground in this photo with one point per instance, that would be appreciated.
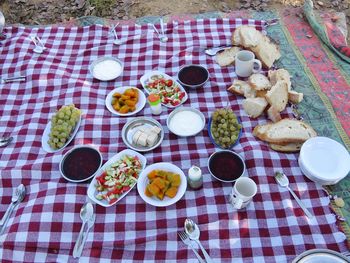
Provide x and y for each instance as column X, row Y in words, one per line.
column 35, row 12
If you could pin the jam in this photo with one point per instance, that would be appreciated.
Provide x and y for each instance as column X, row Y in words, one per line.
column 226, row 166
column 81, row 163
column 193, row 75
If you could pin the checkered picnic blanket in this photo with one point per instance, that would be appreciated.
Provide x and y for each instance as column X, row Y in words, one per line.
column 45, row 226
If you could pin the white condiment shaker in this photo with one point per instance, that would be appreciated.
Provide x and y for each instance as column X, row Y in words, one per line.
column 195, row 178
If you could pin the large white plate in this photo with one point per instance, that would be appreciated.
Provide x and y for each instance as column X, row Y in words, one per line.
column 45, row 137
column 320, row 255
column 139, row 105
column 143, row 181
column 92, row 189
column 145, row 79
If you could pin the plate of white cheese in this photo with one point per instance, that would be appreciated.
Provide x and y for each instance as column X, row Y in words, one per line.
column 142, row 134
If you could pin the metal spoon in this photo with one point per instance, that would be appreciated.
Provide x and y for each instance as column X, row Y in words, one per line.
column 192, row 230
column 116, row 41
column 5, row 141
column 86, row 212
column 163, row 37
column 17, row 197
column 214, row 50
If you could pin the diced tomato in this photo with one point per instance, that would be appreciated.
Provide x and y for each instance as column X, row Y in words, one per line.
column 175, row 102
column 126, row 188
column 169, row 82
column 113, row 200
column 116, row 191
column 151, row 85
column 101, row 178
column 181, row 95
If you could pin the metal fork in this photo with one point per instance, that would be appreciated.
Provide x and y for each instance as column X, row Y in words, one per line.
column 283, row 181
column 184, row 237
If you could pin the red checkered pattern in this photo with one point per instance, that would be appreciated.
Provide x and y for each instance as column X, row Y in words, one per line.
column 45, row 226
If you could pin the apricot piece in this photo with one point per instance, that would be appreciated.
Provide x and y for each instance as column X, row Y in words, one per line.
column 124, row 109
column 153, row 174
column 117, row 95
column 125, row 97
column 130, row 103
column 148, row 192
column 153, row 189
column 171, row 192
column 159, row 182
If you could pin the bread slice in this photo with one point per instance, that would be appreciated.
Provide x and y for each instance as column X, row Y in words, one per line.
column 287, row 131
column 289, row 147
column 295, row 97
column 249, row 92
column 280, row 74
column 278, row 96
column 227, row 57
column 259, row 81
column 239, row 87
column 261, row 93
column 273, row 114
column 236, row 37
column 260, row 130
column 266, row 51
column 254, row 107
column 249, row 36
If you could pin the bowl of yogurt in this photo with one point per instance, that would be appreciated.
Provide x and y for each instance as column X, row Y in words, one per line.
column 106, row 68
column 185, row 121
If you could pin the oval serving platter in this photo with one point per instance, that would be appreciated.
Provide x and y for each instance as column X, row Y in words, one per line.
column 45, row 137
column 146, row 77
column 92, row 190
column 135, row 124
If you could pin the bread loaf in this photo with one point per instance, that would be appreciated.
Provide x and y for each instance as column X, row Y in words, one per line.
column 278, row 96
column 254, row 107
column 259, row 81
column 227, row 57
column 266, row 51
column 285, row 131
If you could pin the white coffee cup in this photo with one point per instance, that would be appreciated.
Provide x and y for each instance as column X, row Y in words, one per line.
column 243, row 192
column 244, row 63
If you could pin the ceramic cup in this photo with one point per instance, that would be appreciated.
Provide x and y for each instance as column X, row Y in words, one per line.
column 244, row 63
column 243, row 192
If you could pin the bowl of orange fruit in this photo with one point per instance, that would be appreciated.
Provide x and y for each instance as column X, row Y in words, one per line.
column 125, row 101
column 161, row 184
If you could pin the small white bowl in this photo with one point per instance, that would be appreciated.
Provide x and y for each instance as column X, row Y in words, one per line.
column 143, row 181
column 117, row 70
column 324, row 161
column 139, row 105
column 184, row 124
column 79, row 148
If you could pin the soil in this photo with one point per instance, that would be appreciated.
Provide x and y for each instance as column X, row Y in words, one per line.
column 38, row 12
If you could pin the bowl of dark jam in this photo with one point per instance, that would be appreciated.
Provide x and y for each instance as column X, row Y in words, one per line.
column 226, row 166
column 80, row 164
column 193, row 76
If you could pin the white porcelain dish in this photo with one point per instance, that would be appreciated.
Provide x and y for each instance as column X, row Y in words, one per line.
column 139, row 105
column 97, row 152
column 45, row 137
column 114, row 73
column 324, row 161
column 132, row 126
column 183, row 124
column 92, row 190
column 143, row 181
column 146, row 78
column 321, row 255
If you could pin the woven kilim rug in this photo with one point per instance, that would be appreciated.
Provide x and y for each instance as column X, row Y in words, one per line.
column 320, row 74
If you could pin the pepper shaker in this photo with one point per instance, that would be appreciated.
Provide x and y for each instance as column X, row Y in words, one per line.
column 195, row 178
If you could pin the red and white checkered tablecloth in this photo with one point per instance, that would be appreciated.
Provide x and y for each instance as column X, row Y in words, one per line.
column 45, row 226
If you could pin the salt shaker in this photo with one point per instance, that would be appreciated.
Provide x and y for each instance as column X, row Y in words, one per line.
column 195, row 178
column 155, row 104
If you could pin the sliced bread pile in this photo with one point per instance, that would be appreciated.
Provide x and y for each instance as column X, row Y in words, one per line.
column 247, row 37
column 270, row 93
column 286, row 135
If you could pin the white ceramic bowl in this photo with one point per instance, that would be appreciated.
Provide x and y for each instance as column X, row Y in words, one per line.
column 184, row 124
column 76, row 150
column 324, row 161
column 139, row 105
column 143, row 181
column 115, row 72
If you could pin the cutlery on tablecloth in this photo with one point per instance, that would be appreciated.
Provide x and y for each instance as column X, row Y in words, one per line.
column 13, row 79
column 4, row 141
column 17, row 197
column 87, row 216
column 184, row 237
column 39, row 45
column 283, row 181
column 192, row 230
column 162, row 36
column 214, row 50
column 117, row 41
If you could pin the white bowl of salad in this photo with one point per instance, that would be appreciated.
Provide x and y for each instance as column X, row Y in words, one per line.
column 171, row 93
column 116, row 178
